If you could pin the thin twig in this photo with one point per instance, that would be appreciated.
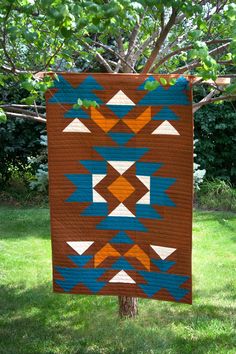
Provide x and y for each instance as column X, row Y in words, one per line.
column 18, row 115
column 115, row 53
column 99, row 58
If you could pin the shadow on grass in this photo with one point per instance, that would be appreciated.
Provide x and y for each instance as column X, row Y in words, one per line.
column 37, row 321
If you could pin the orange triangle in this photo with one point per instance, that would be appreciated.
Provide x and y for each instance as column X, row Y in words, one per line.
column 105, row 252
column 137, row 124
column 138, row 253
column 104, row 123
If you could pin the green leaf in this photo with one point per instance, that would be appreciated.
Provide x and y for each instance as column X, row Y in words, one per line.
column 66, row 32
column 151, row 85
column 29, row 100
column 80, row 102
column 172, row 81
column 163, row 81
column 28, row 85
column 195, row 34
column 3, row 117
column 85, row 103
column 76, row 106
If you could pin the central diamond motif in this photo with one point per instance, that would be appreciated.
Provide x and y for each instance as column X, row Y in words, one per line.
column 121, row 188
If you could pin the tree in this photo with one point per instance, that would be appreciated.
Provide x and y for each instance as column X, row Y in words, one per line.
column 171, row 36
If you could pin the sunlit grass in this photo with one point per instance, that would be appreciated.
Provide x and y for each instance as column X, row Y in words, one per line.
column 34, row 320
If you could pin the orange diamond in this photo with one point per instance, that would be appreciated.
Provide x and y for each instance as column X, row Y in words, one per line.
column 121, row 188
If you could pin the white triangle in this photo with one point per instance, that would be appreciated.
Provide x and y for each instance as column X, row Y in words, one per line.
column 146, row 180
column 145, row 199
column 165, row 129
column 163, row 252
column 121, row 99
column 97, row 198
column 121, row 166
column 97, row 178
column 122, row 277
column 121, row 210
column 80, row 246
column 76, row 126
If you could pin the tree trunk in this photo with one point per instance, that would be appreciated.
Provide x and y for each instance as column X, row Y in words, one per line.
column 128, row 306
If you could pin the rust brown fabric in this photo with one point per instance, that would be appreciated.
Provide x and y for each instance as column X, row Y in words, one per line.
column 120, row 176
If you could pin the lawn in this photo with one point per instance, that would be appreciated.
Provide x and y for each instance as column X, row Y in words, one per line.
column 34, row 320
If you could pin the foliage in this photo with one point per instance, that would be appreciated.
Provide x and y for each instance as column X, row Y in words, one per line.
column 215, row 127
column 40, row 181
column 17, row 193
column 19, row 139
column 120, row 35
column 36, row 320
column 216, row 194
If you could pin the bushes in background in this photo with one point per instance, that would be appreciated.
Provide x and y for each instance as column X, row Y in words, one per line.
column 216, row 194
column 215, row 131
column 19, row 140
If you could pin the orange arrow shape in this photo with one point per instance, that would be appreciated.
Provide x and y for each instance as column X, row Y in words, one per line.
column 105, row 252
column 104, row 123
column 138, row 253
column 137, row 124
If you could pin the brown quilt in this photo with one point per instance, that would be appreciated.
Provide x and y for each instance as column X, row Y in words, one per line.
column 121, row 185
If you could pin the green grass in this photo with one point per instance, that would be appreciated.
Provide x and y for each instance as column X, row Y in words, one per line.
column 34, row 320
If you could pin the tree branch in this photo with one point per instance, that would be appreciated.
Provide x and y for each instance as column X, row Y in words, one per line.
column 115, row 53
column 22, row 106
column 134, row 34
column 194, row 64
column 18, row 115
column 183, row 49
column 121, row 53
column 130, row 57
column 206, row 101
column 160, row 41
column 99, row 58
column 145, row 44
column 16, row 111
column 23, row 111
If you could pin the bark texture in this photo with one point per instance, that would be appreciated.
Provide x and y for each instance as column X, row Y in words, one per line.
column 128, row 306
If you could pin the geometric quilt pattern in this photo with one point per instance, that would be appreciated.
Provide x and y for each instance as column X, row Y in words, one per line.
column 120, row 184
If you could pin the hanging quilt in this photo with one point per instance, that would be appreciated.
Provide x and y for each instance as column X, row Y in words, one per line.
column 120, row 182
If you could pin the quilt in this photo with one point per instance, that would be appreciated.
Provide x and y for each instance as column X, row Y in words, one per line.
column 121, row 184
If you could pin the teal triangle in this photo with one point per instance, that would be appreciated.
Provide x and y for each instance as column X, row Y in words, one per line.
column 80, row 261
column 165, row 114
column 121, row 138
column 122, row 237
column 120, row 110
column 162, row 264
column 122, row 264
